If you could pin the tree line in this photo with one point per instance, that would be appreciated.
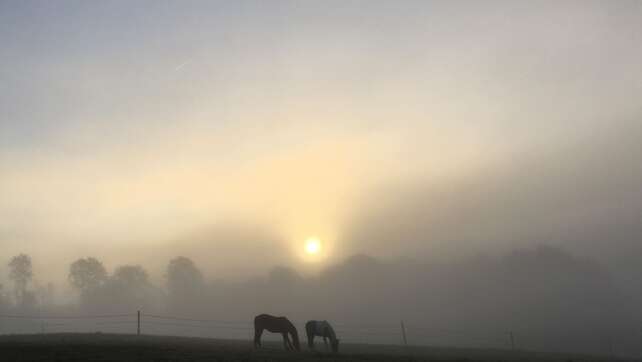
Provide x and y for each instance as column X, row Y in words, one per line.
column 127, row 287
column 549, row 299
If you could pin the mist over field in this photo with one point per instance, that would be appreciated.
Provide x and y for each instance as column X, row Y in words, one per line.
column 471, row 169
column 525, row 249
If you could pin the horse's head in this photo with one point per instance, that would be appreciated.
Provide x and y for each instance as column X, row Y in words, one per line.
column 335, row 345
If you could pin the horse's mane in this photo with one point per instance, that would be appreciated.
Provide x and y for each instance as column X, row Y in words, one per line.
column 328, row 327
column 294, row 333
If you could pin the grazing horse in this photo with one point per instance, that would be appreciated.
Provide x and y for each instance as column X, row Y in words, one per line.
column 275, row 325
column 321, row 329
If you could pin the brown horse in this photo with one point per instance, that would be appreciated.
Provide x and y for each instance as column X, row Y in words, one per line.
column 275, row 325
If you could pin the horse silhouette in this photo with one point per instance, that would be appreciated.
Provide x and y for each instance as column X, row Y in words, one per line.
column 276, row 325
column 321, row 329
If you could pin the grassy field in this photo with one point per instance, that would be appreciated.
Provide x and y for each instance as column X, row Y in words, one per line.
column 117, row 347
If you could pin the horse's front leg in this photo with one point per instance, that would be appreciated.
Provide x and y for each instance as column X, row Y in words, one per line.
column 291, row 344
column 257, row 337
column 286, row 342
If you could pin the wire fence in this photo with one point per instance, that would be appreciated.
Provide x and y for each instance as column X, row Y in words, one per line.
column 384, row 333
column 139, row 322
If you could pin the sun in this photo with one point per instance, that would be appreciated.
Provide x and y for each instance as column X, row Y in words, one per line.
column 312, row 246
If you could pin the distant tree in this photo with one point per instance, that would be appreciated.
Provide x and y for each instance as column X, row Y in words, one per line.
column 3, row 298
column 21, row 273
column 44, row 295
column 283, row 277
column 87, row 275
column 129, row 287
column 131, row 276
column 184, row 282
column 183, row 274
column 29, row 302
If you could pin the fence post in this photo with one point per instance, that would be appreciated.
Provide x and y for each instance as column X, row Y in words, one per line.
column 403, row 333
column 512, row 340
column 138, row 320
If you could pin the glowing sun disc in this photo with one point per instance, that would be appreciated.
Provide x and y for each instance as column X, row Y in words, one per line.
column 312, row 246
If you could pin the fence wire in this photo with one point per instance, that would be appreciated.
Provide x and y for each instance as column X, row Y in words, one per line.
column 369, row 333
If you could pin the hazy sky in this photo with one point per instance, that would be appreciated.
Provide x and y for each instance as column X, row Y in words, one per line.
column 235, row 130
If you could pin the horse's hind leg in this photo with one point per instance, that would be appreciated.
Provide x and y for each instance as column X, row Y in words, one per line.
column 257, row 337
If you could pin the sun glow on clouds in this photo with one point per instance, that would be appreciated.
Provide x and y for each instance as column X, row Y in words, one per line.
column 168, row 184
column 294, row 172
column 184, row 179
